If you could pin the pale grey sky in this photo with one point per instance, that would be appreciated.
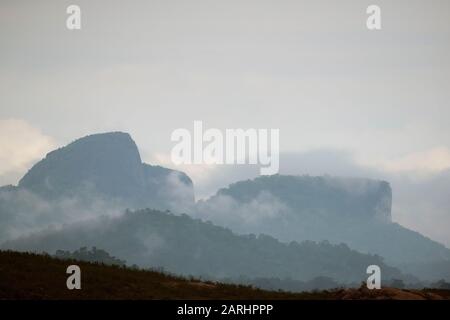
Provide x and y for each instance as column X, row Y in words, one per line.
column 309, row 68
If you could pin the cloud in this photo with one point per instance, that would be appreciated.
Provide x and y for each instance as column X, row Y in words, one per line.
column 423, row 203
column 419, row 187
column 432, row 160
column 199, row 172
column 21, row 144
column 259, row 213
column 207, row 179
column 23, row 212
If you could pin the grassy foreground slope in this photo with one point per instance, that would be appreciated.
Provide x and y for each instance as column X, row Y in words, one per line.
column 31, row 276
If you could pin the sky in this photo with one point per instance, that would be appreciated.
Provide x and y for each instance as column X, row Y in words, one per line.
column 348, row 101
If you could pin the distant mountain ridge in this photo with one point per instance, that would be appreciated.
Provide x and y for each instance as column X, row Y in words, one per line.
column 346, row 198
column 109, row 165
column 100, row 174
column 103, row 174
column 187, row 246
column 352, row 211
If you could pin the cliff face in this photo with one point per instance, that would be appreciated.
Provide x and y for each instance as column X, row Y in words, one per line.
column 94, row 176
column 329, row 197
column 342, row 210
column 107, row 165
column 299, row 207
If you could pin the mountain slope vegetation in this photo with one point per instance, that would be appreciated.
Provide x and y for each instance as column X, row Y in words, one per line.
column 341, row 210
column 187, row 246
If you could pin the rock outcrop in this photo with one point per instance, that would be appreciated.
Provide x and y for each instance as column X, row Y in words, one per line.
column 108, row 165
